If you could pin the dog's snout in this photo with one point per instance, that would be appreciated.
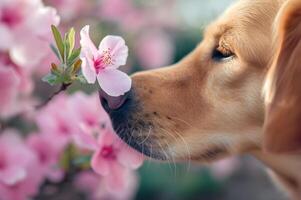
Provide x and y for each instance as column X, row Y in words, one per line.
column 113, row 103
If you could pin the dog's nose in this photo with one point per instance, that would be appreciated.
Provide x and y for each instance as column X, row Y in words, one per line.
column 113, row 102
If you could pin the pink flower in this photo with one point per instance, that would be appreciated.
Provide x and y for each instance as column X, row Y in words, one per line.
column 91, row 117
column 102, row 63
column 115, row 10
column 123, row 12
column 112, row 158
column 96, row 189
column 15, row 87
column 60, row 125
column 88, row 110
column 80, row 110
column 69, row 9
column 224, row 168
column 132, row 18
column 19, row 172
column 154, row 49
column 83, row 119
column 48, row 155
column 9, row 82
column 24, row 29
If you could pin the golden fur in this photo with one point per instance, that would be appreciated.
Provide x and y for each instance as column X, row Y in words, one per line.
column 202, row 109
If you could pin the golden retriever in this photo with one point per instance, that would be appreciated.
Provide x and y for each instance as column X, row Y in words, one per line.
column 236, row 93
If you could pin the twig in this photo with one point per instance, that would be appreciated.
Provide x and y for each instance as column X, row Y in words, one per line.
column 63, row 87
column 5, row 124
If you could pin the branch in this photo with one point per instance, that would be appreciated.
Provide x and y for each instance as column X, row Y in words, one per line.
column 3, row 126
column 63, row 87
column 6, row 124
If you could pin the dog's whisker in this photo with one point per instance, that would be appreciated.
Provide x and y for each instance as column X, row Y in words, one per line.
column 187, row 149
column 151, row 150
column 166, row 156
column 174, row 162
column 170, row 149
column 148, row 135
column 151, row 155
column 185, row 144
column 185, row 122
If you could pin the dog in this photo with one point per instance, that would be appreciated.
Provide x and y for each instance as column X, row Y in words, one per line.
column 237, row 93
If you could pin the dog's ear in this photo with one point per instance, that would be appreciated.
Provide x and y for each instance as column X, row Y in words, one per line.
column 282, row 128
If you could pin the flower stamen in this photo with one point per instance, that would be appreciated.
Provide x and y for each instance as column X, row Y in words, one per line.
column 108, row 152
column 104, row 60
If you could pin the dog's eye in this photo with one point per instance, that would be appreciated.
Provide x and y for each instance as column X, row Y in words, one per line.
column 222, row 54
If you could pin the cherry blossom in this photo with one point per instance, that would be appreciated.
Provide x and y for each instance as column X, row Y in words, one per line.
column 95, row 186
column 20, row 174
column 85, row 121
column 102, row 63
column 154, row 49
column 48, row 155
column 9, row 82
column 225, row 167
column 24, row 30
column 91, row 118
column 15, row 87
column 112, row 158
column 69, row 9
column 60, row 124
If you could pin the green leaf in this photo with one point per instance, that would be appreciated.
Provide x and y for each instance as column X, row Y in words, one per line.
column 81, row 79
column 76, row 66
column 51, row 79
column 58, row 40
column 66, row 50
column 81, row 160
column 74, row 56
column 66, row 78
column 64, row 161
column 67, row 157
column 71, row 40
column 55, row 69
column 56, row 52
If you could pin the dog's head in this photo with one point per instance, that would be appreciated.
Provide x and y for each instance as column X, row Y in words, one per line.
column 209, row 104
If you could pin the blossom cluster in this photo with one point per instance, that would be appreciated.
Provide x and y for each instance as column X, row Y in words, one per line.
column 25, row 163
column 24, row 50
column 149, row 35
column 61, row 136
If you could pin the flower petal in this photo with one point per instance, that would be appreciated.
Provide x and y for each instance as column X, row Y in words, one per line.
column 130, row 158
column 9, row 82
column 13, row 175
column 100, row 165
column 119, row 50
column 29, row 52
column 88, row 47
column 42, row 18
column 6, row 38
column 84, row 138
column 114, row 82
column 55, row 174
column 116, row 181
column 87, row 71
column 107, row 138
